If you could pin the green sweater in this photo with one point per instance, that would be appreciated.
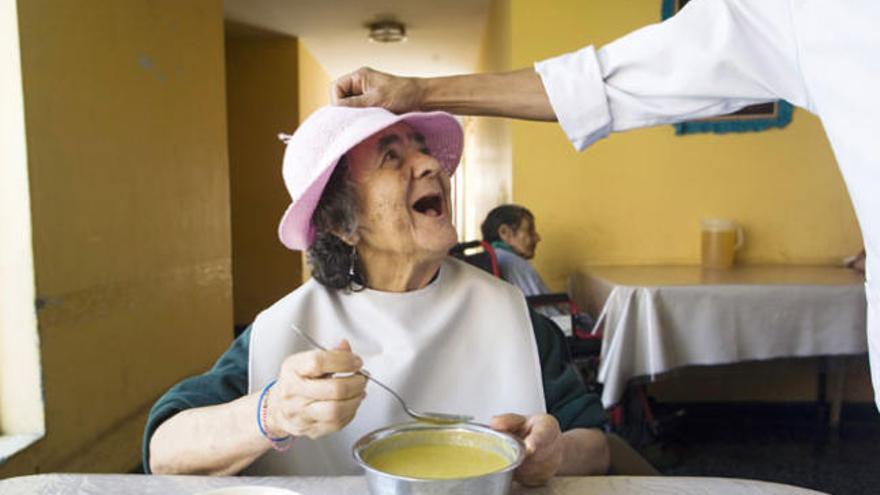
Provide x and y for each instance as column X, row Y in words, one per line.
column 565, row 396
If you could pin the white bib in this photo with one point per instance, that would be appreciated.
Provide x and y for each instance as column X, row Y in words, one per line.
column 464, row 344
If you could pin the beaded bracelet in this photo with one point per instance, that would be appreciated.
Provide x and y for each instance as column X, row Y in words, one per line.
column 278, row 443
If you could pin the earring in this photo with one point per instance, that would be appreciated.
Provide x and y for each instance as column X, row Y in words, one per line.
column 355, row 281
column 351, row 272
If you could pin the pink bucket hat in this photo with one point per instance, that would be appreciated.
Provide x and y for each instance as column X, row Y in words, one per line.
column 326, row 135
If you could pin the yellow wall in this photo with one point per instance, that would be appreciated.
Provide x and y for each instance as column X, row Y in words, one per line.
column 261, row 82
column 314, row 83
column 125, row 117
column 314, row 92
column 638, row 197
column 484, row 178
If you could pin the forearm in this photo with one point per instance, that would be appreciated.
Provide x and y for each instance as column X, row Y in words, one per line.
column 517, row 94
column 220, row 440
column 585, row 452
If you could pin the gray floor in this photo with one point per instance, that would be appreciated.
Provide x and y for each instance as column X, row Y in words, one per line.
column 786, row 445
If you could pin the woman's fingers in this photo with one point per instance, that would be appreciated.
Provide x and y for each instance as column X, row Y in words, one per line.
column 350, row 87
column 537, row 431
column 366, row 87
column 543, row 434
column 316, row 364
column 336, row 388
column 318, row 392
column 514, row 424
column 310, row 374
column 511, row 423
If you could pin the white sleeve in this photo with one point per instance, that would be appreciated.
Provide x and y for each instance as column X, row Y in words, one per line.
column 712, row 58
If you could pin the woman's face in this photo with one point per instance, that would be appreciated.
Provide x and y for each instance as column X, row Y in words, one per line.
column 524, row 239
column 403, row 196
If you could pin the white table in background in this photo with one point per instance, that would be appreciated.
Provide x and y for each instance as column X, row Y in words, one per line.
column 659, row 318
column 115, row 484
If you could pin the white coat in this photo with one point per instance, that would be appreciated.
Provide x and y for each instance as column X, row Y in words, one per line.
column 716, row 56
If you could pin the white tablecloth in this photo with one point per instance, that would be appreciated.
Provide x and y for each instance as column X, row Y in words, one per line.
column 656, row 319
column 98, row 484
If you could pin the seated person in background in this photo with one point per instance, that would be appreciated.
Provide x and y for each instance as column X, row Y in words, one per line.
column 510, row 229
column 371, row 207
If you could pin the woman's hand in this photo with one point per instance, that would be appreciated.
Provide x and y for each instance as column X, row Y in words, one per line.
column 309, row 399
column 544, row 445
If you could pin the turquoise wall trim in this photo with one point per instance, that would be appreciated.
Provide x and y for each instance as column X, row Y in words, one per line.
column 784, row 109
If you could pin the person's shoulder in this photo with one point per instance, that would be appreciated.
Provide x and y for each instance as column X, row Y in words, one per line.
column 480, row 277
column 513, row 260
column 505, row 256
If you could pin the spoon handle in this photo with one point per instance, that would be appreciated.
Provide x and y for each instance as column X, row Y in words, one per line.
column 366, row 374
column 306, row 336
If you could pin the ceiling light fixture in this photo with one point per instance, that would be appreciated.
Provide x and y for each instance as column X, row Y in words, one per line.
column 387, row 30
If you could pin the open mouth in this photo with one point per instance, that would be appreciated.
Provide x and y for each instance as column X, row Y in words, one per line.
column 430, row 205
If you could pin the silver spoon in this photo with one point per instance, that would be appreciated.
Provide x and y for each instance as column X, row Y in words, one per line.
column 427, row 417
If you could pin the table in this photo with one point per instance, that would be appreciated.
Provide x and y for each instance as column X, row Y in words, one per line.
column 99, row 484
column 658, row 318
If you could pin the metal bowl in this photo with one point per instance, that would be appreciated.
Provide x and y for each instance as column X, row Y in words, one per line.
column 465, row 434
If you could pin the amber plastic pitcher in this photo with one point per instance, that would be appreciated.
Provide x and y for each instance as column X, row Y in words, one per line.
column 720, row 240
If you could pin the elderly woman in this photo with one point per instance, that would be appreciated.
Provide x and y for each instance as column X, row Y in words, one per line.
column 511, row 231
column 371, row 206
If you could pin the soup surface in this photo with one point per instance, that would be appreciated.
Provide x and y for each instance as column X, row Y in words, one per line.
column 438, row 461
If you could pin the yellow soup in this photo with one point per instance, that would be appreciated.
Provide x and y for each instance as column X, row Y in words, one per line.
column 438, row 461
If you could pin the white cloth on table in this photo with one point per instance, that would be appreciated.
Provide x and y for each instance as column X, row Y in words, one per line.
column 113, row 484
column 716, row 56
column 652, row 330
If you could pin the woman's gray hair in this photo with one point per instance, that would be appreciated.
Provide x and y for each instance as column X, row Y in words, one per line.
column 333, row 262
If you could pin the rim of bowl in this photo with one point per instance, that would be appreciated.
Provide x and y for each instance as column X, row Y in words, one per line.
column 388, row 431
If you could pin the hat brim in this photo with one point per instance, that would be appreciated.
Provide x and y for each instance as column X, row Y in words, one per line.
column 443, row 136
